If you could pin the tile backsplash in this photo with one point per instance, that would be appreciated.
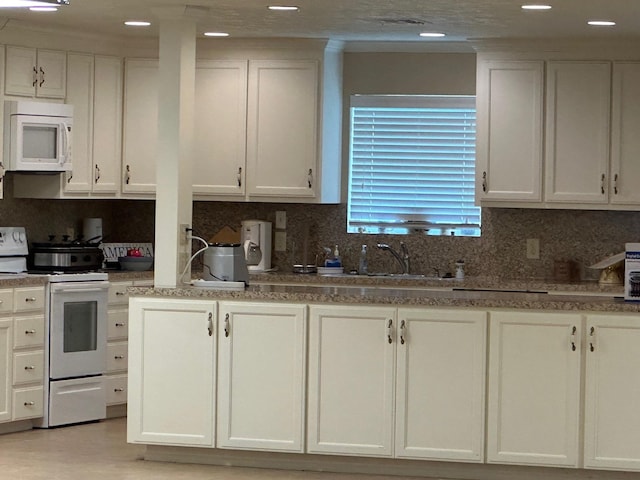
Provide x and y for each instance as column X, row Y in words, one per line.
column 582, row 236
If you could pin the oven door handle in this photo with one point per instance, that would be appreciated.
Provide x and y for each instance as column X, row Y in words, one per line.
column 78, row 289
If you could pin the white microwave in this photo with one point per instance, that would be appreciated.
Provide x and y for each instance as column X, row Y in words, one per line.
column 37, row 136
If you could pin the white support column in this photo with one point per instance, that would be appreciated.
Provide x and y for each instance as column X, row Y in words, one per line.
column 175, row 146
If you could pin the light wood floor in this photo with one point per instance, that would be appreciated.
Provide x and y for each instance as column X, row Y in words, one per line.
column 98, row 451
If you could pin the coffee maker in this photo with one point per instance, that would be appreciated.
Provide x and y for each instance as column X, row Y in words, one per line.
column 256, row 241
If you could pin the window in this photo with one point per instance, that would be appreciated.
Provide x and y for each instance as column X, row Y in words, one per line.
column 412, row 165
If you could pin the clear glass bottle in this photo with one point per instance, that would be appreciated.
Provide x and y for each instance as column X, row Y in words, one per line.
column 363, row 267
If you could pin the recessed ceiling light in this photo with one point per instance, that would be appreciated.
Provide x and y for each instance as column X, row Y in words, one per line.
column 601, row 23
column 432, row 34
column 536, row 7
column 43, row 9
column 285, row 8
column 137, row 23
column 216, row 34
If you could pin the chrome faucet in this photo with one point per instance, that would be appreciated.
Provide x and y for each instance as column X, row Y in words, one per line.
column 403, row 259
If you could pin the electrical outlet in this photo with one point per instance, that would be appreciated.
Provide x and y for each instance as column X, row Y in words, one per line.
column 533, row 248
column 281, row 242
column 281, row 219
column 185, row 233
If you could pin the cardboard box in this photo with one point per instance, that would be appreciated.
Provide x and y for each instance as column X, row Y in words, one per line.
column 632, row 272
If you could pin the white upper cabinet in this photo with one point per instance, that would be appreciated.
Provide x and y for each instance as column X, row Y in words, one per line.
column 34, row 72
column 140, row 128
column 509, row 131
column 577, row 132
column 625, row 141
column 219, row 161
column 282, row 128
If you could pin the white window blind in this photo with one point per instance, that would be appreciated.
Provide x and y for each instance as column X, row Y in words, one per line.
column 412, row 165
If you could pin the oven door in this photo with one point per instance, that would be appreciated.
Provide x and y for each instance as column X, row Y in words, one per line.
column 78, row 329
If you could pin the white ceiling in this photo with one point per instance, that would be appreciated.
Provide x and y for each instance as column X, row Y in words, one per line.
column 353, row 20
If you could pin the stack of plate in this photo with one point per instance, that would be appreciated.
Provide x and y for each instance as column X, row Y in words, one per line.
column 330, row 270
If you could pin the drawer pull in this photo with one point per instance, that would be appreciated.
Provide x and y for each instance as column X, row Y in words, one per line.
column 118, row 390
column 30, row 299
column 119, row 357
column 30, row 332
column 29, row 404
column 120, row 293
column 121, row 324
column 29, row 367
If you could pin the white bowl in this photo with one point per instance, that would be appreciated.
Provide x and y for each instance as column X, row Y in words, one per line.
column 330, row 270
column 138, row 264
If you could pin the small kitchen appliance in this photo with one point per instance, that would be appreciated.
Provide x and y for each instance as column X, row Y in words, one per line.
column 92, row 230
column 256, row 241
column 225, row 262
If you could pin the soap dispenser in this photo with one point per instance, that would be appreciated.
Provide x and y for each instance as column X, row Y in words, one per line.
column 363, row 265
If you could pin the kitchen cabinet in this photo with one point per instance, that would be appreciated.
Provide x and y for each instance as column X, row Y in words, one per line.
column 261, row 376
column 351, row 380
column 140, row 126
column 34, row 72
column 171, row 399
column 282, row 126
column 534, row 388
column 94, row 87
column 612, row 384
column 625, row 141
column 439, row 407
column 509, row 131
column 6, row 367
column 219, row 161
column 577, row 131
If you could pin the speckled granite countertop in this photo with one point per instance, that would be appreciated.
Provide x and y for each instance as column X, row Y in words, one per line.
column 471, row 293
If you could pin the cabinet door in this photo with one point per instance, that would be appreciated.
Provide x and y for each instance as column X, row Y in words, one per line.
column 21, row 75
column 440, row 384
column 625, row 141
column 219, row 166
column 107, row 124
column 80, row 95
column 351, row 380
column 261, row 373
column 534, row 388
column 171, row 372
column 52, row 72
column 612, row 416
column 6, row 367
column 282, row 128
column 140, row 137
column 509, row 131
column 577, row 149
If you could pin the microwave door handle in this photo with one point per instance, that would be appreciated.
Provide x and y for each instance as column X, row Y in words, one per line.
column 67, row 144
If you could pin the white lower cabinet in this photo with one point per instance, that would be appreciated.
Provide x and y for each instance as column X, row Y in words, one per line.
column 612, row 397
column 534, row 388
column 6, row 367
column 261, row 376
column 440, row 384
column 172, row 363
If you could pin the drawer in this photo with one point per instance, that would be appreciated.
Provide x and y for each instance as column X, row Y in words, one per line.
column 28, row 403
column 117, row 357
column 28, row 367
column 28, row 332
column 118, row 293
column 6, row 301
column 28, row 299
column 116, row 389
column 118, row 324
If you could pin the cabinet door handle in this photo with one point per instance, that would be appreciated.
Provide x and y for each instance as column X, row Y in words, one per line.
column 29, row 367
column 118, row 357
column 35, row 77
column 120, row 293
column 239, row 176
column 127, row 176
column 390, row 331
column 602, row 183
column 29, row 404
column 69, row 176
column 484, row 181
column 210, row 324
column 310, row 178
column 118, row 390
column 402, row 330
column 30, row 299
column 97, row 174
column 121, row 324
column 615, row 184
column 30, row 332
column 41, row 77
column 226, row 325
column 592, row 339
column 574, row 330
